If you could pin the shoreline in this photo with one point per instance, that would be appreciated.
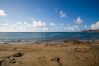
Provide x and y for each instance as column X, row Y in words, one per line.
column 54, row 41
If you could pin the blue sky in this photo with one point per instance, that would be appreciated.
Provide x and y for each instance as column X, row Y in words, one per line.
column 48, row 15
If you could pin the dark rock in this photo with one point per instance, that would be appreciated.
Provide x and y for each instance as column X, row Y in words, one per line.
column 5, row 42
column 1, row 60
column 42, row 57
column 66, row 41
column 56, row 59
column 12, row 61
column 17, row 54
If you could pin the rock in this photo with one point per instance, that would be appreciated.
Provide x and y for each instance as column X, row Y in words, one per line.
column 42, row 57
column 56, row 59
column 1, row 60
column 17, row 54
column 12, row 61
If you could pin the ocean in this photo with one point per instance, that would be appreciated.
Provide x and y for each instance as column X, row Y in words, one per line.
column 46, row 36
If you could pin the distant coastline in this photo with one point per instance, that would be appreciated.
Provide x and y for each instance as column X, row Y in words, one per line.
column 91, row 30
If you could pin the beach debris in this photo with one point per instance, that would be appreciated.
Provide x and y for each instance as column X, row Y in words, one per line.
column 76, row 42
column 52, row 45
column 82, row 49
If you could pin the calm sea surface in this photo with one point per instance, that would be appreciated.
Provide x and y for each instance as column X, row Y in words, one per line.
column 46, row 36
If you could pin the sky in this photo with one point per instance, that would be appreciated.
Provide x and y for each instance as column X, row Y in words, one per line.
column 48, row 15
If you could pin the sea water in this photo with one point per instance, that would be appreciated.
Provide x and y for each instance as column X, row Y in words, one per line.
column 46, row 36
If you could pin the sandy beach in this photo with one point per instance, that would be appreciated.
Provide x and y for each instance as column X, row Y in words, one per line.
column 67, row 53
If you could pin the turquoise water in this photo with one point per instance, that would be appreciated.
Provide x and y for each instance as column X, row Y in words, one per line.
column 46, row 36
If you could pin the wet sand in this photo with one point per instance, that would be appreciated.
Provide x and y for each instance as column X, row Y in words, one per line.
column 67, row 53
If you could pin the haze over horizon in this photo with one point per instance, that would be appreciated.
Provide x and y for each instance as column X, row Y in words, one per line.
column 48, row 15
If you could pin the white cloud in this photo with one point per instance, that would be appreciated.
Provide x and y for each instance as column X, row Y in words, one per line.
column 19, row 23
column 2, row 13
column 78, row 20
column 39, row 24
column 45, row 28
column 95, row 26
column 32, row 18
column 69, row 28
column 25, row 23
column 52, row 24
column 5, row 24
column 63, row 14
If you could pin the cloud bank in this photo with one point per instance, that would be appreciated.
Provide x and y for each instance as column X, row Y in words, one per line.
column 95, row 26
column 37, row 26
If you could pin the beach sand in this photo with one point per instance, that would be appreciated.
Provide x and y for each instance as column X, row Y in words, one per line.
column 67, row 53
